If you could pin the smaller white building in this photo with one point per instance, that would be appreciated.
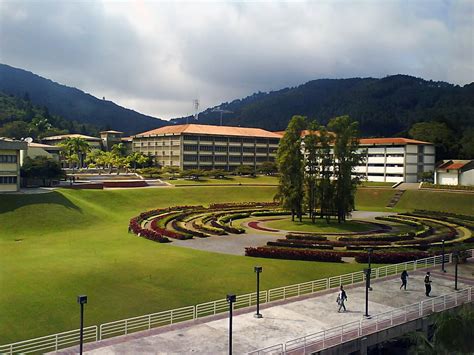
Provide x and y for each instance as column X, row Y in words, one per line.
column 455, row 172
column 37, row 149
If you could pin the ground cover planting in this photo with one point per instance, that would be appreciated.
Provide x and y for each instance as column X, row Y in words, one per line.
column 57, row 245
column 320, row 226
column 227, row 180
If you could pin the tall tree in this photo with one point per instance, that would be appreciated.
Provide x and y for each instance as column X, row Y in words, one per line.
column 311, row 169
column 440, row 135
column 75, row 150
column 326, row 164
column 346, row 158
column 290, row 165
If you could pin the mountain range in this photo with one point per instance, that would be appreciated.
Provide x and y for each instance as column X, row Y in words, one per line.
column 73, row 104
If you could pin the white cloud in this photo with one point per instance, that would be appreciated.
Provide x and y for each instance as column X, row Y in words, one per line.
column 156, row 57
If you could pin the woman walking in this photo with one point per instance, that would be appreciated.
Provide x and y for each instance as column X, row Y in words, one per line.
column 341, row 298
column 404, row 277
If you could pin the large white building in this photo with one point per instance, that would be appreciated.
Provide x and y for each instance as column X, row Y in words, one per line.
column 10, row 164
column 395, row 159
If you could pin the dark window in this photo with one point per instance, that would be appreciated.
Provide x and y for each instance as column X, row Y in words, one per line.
column 190, row 138
column 272, row 150
column 248, row 140
column 375, row 174
column 206, row 138
column 188, row 157
column 205, row 157
column 220, row 139
column 189, row 167
column 372, row 164
column 220, row 158
column 235, row 149
column 249, row 159
column 249, row 150
column 190, row 147
column 235, row 140
column 260, row 159
column 395, row 175
column 8, row 159
column 274, row 141
column 7, row 180
column 262, row 140
column 376, row 155
column 206, row 148
column 394, row 155
column 220, row 148
column 234, row 159
column 262, row 150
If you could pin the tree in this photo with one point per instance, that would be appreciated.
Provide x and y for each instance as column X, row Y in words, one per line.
column 74, row 150
column 467, row 144
column 290, row 165
column 326, row 185
column 119, row 150
column 17, row 130
column 218, row 173
column 41, row 168
column 268, row 168
column 137, row 160
column 346, row 158
column 311, row 169
column 245, row 170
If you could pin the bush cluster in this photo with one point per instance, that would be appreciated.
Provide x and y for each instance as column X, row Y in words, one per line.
column 293, row 254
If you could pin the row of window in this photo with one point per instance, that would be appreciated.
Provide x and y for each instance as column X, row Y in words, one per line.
column 387, row 165
column 382, row 174
column 8, row 159
column 223, row 158
column 210, row 148
column 4, row 180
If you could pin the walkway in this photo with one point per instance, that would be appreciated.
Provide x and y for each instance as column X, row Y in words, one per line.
column 282, row 322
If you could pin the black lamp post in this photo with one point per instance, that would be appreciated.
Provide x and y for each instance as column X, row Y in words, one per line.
column 367, row 285
column 370, row 250
column 82, row 300
column 456, row 261
column 442, row 262
column 231, row 300
column 258, row 270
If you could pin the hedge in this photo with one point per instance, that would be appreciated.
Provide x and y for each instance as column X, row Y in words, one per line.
column 391, row 257
column 427, row 185
column 293, row 254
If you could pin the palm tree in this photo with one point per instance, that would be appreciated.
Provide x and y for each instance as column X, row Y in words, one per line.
column 75, row 150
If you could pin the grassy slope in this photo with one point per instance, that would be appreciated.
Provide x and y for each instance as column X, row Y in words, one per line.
column 373, row 199
column 230, row 180
column 441, row 201
column 76, row 242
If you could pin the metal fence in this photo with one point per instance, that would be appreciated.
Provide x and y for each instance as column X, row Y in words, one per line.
column 149, row 321
column 331, row 337
column 50, row 342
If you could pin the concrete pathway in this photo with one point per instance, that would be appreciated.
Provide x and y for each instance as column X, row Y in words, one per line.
column 281, row 322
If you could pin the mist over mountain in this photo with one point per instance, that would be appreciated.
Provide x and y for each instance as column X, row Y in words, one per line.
column 73, row 104
column 384, row 107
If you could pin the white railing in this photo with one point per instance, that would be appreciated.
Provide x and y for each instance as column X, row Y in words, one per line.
column 50, row 342
column 331, row 337
column 149, row 321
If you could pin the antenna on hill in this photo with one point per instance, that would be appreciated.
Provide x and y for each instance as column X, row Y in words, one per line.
column 196, row 110
column 218, row 109
column 28, row 140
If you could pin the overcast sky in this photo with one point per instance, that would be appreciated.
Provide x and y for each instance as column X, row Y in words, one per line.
column 156, row 56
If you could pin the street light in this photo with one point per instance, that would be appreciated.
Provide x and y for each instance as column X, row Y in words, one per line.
column 258, row 270
column 231, row 300
column 367, row 285
column 370, row 250
column 82, row 300
column 456, row 261
column 442, row 262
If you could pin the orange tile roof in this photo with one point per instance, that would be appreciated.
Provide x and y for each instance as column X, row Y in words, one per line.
column 453, row 164
column 385, row 141
column 212, row 130
column 74, row 135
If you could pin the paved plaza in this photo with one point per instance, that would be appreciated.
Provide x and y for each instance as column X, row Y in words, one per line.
column 281, row 321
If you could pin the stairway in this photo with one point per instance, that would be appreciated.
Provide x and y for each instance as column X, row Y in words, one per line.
column 396, row 197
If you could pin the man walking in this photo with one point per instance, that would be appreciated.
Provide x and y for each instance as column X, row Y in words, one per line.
column 428, row 284
column 341, row 298
column 404, row 277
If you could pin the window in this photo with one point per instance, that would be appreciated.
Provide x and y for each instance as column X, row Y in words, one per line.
column 234, row 159
column 8, row 159
column 235, row 140
column 260, row 159
column 394, row 155
column 206, row 138
column 262, row 150
column 249, row 159
column 188, row 157
column 249, row 150
column 185, row 167
column 4, row 180
column 248, row 140
column 190, row 147
column 375, row 174
column 220, row 139
column 262, row 140
column 272, row 150
column 395, row 175
column 372, row 164
column 274, row 141
column 220, row 158
column 375, row 155
column 220, row 148
column 205, row 158
column 235, row 149
column 206, row 148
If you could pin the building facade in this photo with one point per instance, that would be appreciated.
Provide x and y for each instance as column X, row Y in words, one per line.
column 455, row 172
column 41, row 150
column 395, row 159
column 10, row 164
column 94, row 142
column 194, row 146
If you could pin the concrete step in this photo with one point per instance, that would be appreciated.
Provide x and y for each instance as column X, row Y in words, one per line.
column 396, row 197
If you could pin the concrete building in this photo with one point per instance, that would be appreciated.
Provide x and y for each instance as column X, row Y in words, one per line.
column 94, row 142
column 455, row 172
column 10, row 164
column 110, row 138
column 193, row 146
column 37, row 149
column 395, row 159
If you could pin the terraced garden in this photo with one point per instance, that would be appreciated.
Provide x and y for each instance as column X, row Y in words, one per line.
column 393, row 239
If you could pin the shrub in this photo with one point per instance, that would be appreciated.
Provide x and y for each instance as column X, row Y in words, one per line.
column 391, row 257
column 427, row 185
column 289, row 244
column 270, row 213
column 293, row 254
column 311, row 237
column 220, row 206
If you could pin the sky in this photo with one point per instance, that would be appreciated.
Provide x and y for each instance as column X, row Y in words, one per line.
column 156, row 57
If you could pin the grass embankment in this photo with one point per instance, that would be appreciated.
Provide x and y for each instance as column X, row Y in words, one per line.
column 58, row 245
column 229, row 180
column 373, row 199
column 320, row 226
column 454, row 202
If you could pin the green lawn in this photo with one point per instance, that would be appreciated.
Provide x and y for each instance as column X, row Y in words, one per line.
column 58, row 245
column 377, row 183
column 455, row 202
column 318, row 227
column 230, row 180
column 373, row 199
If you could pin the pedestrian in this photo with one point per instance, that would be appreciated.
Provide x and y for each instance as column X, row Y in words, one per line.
column 341, row 298
column 404, row 277
column 428, row 284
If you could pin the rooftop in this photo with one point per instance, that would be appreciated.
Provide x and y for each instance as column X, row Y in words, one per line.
column 74, row 135
column 112, row 131
column 453, row 164
column 211, row 130
column 8, row 143
column 45, row 146
column 388, row 141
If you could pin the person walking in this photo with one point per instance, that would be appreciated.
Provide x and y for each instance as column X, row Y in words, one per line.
column 404, row 277
column 341, row 298
column 428, row 284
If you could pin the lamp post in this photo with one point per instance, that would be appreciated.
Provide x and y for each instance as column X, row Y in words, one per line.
column 82, row 300
column 442, row 261
column 456, row 261
column 367, row 285
column 231, row 300
column 370, row 250
column 258, row 270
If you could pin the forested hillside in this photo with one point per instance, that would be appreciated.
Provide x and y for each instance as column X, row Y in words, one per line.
column 19, row 118
column 73, row 104
column 384, row 107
